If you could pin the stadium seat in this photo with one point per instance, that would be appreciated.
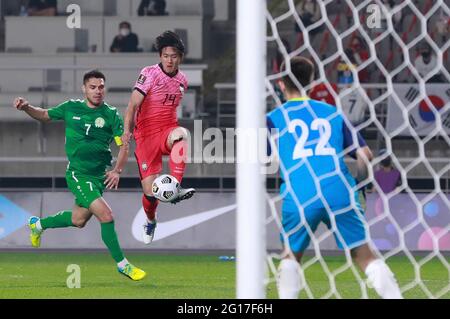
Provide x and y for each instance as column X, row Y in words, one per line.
column 65, row 50
column 90, row 8
column 23, row 135
column 19, row 50
column 183, row 33
column 82, row 40
column 48, row 88
column 119, row 89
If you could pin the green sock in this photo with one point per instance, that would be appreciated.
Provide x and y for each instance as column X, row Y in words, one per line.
column 60, row 220
column 109, row 237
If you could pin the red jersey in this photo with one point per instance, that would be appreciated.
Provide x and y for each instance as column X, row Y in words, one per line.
column 163, row 94
column 320, row 93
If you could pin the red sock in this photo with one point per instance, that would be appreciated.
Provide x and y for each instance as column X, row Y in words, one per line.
column 177, row 161
column 150, row 207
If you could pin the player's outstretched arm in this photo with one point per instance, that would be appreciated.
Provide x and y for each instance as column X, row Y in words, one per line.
column 37, row 113
column 135, row 101
column 113, row 177
column 363, row 157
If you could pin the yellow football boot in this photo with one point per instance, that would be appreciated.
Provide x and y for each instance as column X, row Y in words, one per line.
column 35, row 235
column 132, row 272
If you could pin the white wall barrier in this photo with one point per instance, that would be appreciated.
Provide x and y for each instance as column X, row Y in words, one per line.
column 205, row 222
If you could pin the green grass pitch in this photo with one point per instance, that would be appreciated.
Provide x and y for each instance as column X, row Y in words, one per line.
column 44, row 275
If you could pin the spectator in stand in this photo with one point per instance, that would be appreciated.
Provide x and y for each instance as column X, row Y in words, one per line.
column 442, row 28
column 279, row 57
column 426, row 62
column 309, row 13
column 387, row 177
column 345, row 74
column 14, row 8
column 125, row 41
column 360, row 54
column 277, row 60
column 320, row 92
column 42, row 8
column 353, row 103
column 152, row 8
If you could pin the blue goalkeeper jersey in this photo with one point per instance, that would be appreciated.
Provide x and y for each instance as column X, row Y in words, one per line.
column 312, row 140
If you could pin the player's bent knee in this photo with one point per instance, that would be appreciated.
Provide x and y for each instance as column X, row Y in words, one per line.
column 177, row 134
column 107, row 217
column 79, row 223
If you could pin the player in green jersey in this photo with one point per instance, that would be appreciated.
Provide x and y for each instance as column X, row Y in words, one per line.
column 91, row 126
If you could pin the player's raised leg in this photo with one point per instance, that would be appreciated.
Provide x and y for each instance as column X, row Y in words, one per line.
column 37, row 225
column 177, row 144
column 103, row 212
column 78, row 217
column 379, row 275
column 150, row 203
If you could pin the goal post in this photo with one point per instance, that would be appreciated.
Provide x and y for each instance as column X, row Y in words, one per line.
column 384, row 94
column 250, row 189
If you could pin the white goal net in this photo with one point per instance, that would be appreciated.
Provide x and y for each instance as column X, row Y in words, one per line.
column 385, row 64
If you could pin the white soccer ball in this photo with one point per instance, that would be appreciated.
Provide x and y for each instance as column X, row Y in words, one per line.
column 165, row 188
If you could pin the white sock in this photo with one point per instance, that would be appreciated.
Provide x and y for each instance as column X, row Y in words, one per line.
column 123, row 263
column 38, row 225
column 289, row 284
column 382, row 280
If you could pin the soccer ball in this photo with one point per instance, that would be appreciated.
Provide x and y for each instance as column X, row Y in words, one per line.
column 165, row 188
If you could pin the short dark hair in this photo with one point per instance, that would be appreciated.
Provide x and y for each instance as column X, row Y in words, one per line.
column 93, row 74
column 170, row 39
column 125, row 23
column 302, row 69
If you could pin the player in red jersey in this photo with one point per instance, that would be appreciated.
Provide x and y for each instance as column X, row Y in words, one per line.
column 151, row 119
column 320, row 92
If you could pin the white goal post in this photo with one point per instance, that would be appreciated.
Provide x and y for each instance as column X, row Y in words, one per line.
column 250, row 189
column 395, row 38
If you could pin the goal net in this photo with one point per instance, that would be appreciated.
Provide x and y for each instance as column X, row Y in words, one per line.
column 385, row 65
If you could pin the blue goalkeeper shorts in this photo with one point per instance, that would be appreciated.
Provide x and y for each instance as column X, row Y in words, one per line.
column 349, row 225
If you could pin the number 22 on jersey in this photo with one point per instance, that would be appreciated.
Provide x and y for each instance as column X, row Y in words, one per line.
column 324, row 128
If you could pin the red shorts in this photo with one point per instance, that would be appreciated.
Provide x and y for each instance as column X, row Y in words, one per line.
column 149, row 152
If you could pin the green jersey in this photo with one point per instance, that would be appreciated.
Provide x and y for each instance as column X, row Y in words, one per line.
column 89, row 133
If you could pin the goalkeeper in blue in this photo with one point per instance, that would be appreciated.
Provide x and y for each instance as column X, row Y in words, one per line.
column 312, row 138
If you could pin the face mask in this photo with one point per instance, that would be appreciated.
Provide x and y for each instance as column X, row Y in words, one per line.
column 124, row 32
